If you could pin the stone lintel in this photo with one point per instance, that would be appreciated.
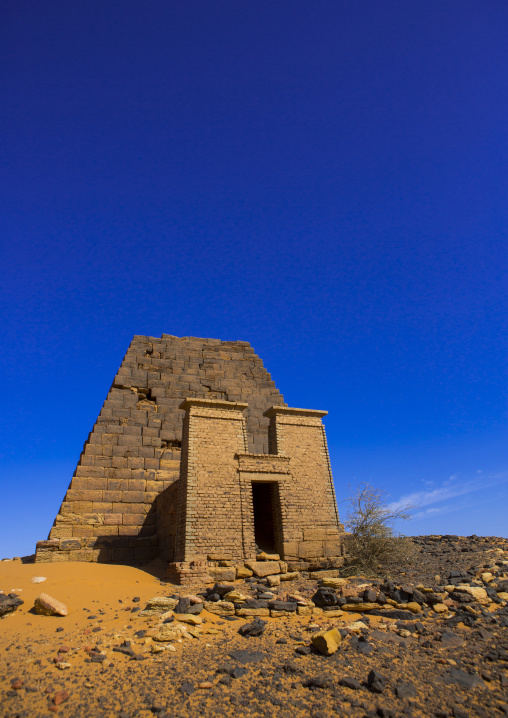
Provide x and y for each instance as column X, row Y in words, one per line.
column 289, row 411
column 263, row 463
column 212, row 404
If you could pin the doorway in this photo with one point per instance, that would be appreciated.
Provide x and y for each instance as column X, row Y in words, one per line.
column 266, row 505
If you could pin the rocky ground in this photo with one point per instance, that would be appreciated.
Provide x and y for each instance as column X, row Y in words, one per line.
column 431, row 640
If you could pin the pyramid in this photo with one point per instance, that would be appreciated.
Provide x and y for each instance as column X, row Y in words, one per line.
column 195, row 455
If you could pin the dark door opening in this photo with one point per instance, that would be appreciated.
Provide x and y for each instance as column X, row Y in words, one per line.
column 265, row 504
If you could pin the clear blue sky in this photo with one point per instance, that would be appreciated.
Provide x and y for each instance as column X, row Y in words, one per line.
column 327, row 180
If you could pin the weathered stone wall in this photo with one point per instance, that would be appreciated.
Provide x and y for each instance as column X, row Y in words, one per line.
column 133, row 452
column 212, row 517
column 217, row 480
column 311, row 521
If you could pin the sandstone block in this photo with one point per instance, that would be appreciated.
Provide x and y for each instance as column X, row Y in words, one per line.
column 310, row 549
column 47, row 606
column 261, row 569
column 290, row 550
column 273, row 581
column 222, row 574
column 70, row 544
column 314, row 534
column 247, row 612
column 220, row 608
column 333, row 547
column 333, row 582
column 333, row 613
column 327, row 642
column 440, row 608
column 325, row 573
column 475, row 591
column 359, row 607
column 243, row 572
column 267, row 556
column 290, row 576
column 304, row 610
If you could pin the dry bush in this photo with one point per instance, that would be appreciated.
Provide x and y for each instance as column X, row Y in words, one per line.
column 373, row 545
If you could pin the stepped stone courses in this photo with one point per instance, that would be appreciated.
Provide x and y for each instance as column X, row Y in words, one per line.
column 172, row 464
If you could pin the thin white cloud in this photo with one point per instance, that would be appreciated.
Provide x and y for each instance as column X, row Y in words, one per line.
column 450, row 489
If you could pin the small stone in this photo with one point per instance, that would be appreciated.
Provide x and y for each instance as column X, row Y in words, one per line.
column 243, row 572
column 256, row 628
column 322, row 681
column 16, row 684
column 303, row 650
column 369, row 595
column 187, row 689
column 376, row 682
column 205, row 685
column 349, row 682
column 274, row 580
column 290, row 576
column 38, row 579
column 405, row 690
column 62, row 665
column 60, row 697
column 440, row 608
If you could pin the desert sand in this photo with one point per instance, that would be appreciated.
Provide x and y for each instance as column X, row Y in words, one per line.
column 449, row 664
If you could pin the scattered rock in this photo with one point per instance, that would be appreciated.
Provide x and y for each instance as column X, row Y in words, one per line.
column 60, row 697
column 256, row 628
column 349, row 682
column 47, row 606
column 405, row 690
column 377, row 682
column 9, row 603
column 327, row 642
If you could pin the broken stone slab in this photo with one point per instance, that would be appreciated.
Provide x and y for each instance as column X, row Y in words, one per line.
column 243, row 572
column 300, row 600
column 274, row 581
column 287, row 606
column 478, row 593
column 334, row 613
column 169, row 633
column 261, row 569
column 46, row 605
column 188, row 618
column 333, row 582
column 247, row 612
column 325, row 573
column 327, row 642
column 159, row 604
column 267, row 556
column 220, row 608
column 289, row 576
column 222, row 574
column 237, row 596
column 359, row 607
